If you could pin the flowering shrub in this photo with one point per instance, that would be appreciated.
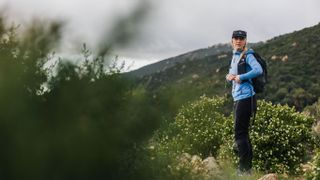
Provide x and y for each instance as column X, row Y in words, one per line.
column 280, row 137
column 197, row 129
column 315, row 166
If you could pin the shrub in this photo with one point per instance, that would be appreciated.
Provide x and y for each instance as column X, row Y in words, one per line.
column 197, row 129
column 281, row 138
column 314, row 110
column 315, row 166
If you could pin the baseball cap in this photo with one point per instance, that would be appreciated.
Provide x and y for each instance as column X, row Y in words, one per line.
column 239, row 33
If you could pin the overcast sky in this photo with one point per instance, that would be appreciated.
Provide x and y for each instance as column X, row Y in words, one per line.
column 171, row 27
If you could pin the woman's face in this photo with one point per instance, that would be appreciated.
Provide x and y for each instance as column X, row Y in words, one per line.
column 238, row 43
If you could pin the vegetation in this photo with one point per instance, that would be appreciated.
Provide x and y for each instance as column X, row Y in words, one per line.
column 293, row 63
column 314, row 110
column 67, row 121
column 61, row 120
column 314, row 172
column 282, row 138
column 197, row 129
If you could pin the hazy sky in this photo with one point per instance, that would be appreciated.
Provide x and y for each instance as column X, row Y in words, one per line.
column 171, row 27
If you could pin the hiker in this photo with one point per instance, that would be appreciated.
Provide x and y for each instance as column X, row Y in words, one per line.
column 245, row 103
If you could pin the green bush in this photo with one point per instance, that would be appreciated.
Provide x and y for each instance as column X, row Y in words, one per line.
column 314, row 110
column 315, row 166
column 197, row 129
column 281, row 138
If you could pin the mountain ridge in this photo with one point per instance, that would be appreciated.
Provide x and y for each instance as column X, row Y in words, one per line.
column 191, row 55
column 293, row 65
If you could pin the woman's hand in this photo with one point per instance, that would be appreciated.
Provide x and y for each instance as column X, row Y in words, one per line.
column 230, row 77
column 237, row 79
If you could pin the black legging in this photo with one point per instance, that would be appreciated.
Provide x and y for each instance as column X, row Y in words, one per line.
column 243, row 110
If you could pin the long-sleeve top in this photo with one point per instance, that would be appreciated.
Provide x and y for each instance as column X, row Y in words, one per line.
column 244, row 89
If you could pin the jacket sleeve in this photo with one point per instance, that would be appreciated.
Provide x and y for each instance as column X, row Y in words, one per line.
column 255, row 71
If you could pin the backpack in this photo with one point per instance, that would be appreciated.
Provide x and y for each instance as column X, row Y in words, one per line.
column 260, row 81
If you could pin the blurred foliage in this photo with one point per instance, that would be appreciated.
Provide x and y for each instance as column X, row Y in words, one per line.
column 69, row 121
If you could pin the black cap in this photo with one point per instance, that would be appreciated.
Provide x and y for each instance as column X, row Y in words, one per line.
column 239, row 33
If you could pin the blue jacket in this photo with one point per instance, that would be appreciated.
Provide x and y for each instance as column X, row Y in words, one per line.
column 244, row 89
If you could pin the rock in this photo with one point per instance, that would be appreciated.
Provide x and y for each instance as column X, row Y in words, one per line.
column 307, row 167
column 274, row 57
column 195, row 76
column 211, row 166
column 195, row 160
column 222, row 56
column 186, row 156
column 210, row 163
column 284, row 58
column 316, row 129
column 269, row 177
column 207, row 168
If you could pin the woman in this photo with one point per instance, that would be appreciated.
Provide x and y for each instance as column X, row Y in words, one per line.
column 243, row 68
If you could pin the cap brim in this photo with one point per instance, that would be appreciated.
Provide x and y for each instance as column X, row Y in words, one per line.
column 239, row 36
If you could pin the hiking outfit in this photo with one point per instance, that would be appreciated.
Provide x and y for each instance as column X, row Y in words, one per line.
column 245, row 104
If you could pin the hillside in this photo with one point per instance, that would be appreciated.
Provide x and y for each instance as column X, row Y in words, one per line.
column 170, row 62
column 293, row 63
column 189, row 56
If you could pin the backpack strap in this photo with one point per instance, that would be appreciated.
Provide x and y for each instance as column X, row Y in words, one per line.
column 253, row 113
column 243, row 53
column 249, row 52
